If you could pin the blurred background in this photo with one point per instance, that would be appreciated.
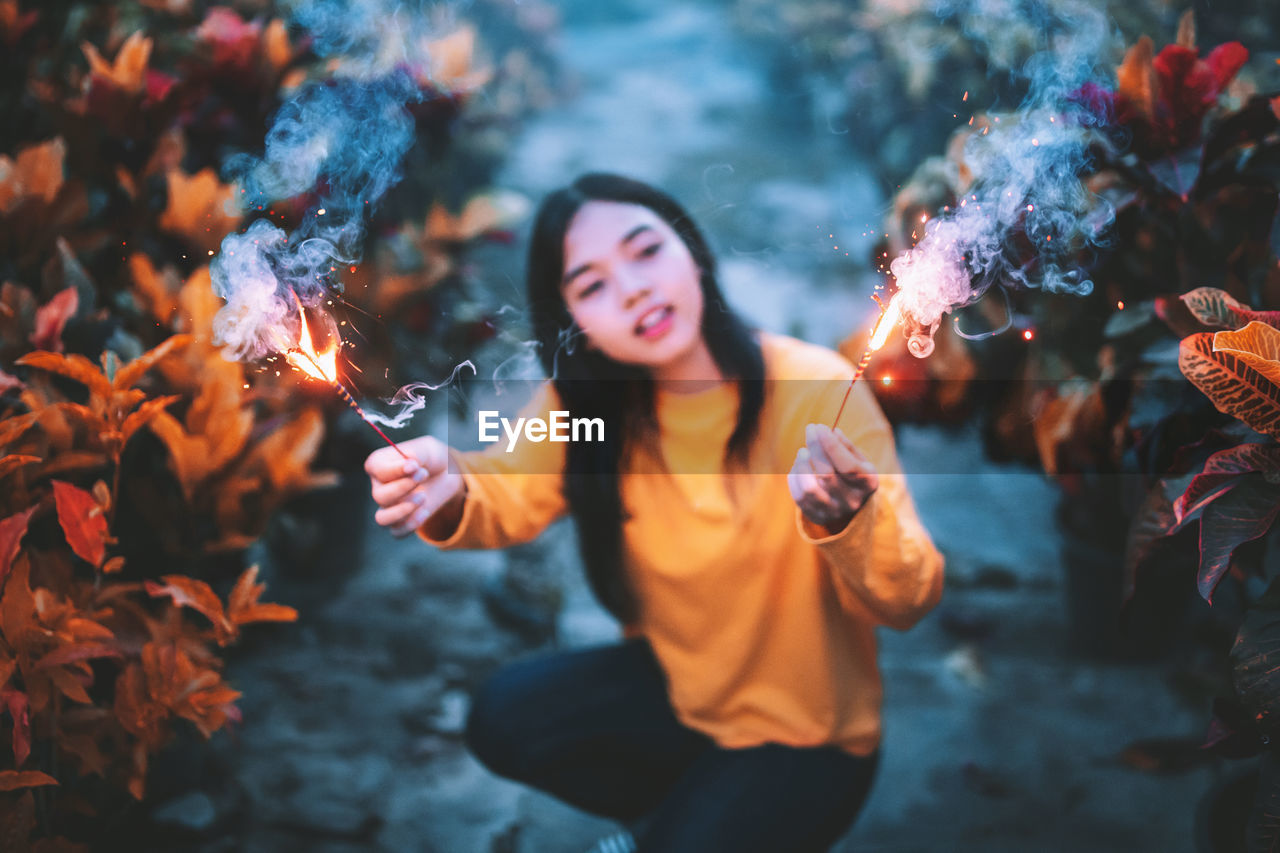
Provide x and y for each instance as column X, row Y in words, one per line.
column 1090, row 487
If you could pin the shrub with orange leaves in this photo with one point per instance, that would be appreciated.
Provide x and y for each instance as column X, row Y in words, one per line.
column 101, row 666
column 136, row 463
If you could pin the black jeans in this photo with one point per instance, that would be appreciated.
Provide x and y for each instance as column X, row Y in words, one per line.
column 594, row 727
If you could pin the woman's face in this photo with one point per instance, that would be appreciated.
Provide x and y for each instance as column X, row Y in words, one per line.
column 631, row 285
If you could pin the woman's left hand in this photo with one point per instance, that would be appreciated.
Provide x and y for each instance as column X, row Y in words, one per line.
column 830, row 480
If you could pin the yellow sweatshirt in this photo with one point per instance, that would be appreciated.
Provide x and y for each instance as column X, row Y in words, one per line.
column 762, row 621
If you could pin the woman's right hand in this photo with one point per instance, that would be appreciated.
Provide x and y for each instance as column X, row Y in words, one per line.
column 409, row 492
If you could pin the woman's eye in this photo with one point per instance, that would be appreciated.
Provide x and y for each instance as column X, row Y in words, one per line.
column 650, row 251
column 590, row 289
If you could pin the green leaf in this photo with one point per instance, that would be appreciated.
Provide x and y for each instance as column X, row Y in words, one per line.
column 1241, row 515
column 1222, row 469
column 1153, row 521
column 1262, row 833
column 1255, row 662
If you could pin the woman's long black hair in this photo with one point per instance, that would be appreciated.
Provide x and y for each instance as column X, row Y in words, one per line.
column 592, row 385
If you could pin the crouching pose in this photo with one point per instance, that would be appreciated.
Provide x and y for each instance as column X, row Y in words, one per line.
column 747, row 549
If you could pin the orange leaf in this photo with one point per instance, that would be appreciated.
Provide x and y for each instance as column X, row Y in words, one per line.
column 72, row 366
column 287, row 453
column 76, row 651
column 113, row 565
column 37, row 173
column 201, row 208
column 1235, row 387
column 74, row 460
column 129, row 71
column 482, row 214
column 148, row 410
column 87, row 629
column 1067, row 430
column 1187, row 30
column 450, row 59
column 71, row 684
column 128, row 376
column 1257, row 345
column 243, row 606
column 196, row 594
column 266, row 613
column 17, row 606
column 13, row 427
column 89, row 419
column 158, row 290
column 275, row 42
column 14, row 461
column 1136, row 78
column 12, row 780
column 82, row 521
column 188, row 454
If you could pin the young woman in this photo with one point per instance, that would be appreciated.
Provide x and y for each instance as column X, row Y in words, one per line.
column 747, row 549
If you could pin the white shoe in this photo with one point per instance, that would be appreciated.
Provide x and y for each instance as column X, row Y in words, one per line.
column 619, row 842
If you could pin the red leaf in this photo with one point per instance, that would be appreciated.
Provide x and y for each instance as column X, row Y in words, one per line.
column 1226, row 60
column 12, row 529
column 16, row 702
column 52, row 317
column 158, row 85
column 82, row 521
column 234, row 41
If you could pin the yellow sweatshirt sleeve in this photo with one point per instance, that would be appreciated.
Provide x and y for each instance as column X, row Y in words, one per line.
column 883, row 557
column 511, row 496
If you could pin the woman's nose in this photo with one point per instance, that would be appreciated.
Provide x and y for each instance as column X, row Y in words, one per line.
column 633, row 287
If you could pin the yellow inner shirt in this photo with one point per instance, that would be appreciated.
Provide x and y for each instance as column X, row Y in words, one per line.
column 762, row 621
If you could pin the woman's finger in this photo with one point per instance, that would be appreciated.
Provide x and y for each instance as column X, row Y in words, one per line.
column 390, row 494
column 397, row 513
column 432, row 495
column 816, row 452
column 813, row 490
column 425, row 453
column 847, row 461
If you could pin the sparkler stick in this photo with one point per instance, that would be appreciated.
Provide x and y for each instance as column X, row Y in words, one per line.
column 351, row 401
column 324, row 366
column 889, row 316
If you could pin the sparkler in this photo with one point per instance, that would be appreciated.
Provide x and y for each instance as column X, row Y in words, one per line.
column 324, row 366
column 889, row 316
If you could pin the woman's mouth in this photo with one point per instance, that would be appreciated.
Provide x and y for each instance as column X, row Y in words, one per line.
column 655, row 322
